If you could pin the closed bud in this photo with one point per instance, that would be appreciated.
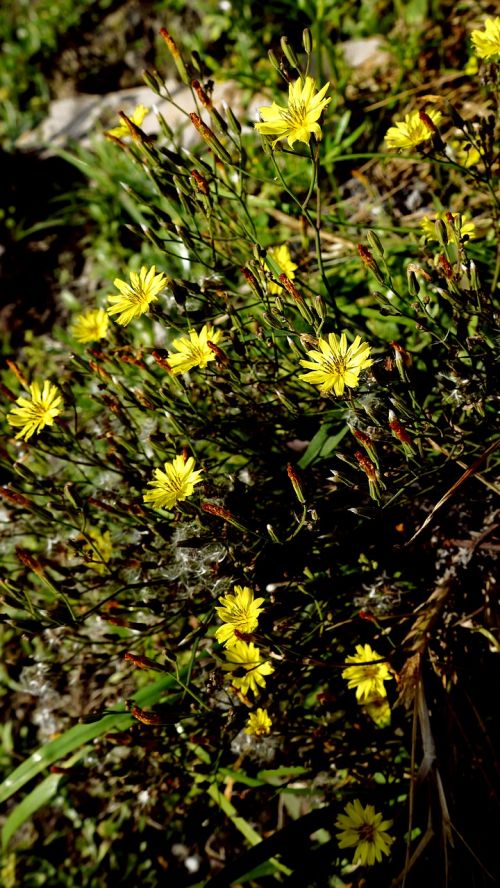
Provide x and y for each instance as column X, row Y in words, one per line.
column 290, row 53
column 446, row 267
column 274, row 60
column 293, row 348
column 146, row 716
column 413, row 284
column 297, row 298
column 252, row 281
column 375, row 243
column 272, row 534
column 296, row 483
column 201, row 182
column 153, row 80
column 370, row 262
column 174, row 51
column 233, row 121
column 307, row 42
column 441, row 232
column 320, row 307
column 224, row 514
column 210, row 138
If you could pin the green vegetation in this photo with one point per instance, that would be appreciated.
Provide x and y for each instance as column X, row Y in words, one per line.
column 248, row 499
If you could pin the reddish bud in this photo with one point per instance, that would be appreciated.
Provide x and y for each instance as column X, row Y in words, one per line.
column 366, row 464
column 160, row 357
column 201, row 182
column 145, row 715
column 446, row 266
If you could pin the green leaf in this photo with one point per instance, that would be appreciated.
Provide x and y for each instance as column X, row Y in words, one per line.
column 40, row 796
column 78, row 736
column 276, row 774
column 322, row 445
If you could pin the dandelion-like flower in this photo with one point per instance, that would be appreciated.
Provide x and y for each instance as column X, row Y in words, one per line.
column 240, row 613
column 193, row 350
column 140, row 112
column 258, row 723
column 134, row 298
column 412, row 131
column 487, row 42
column 299, row 120
column 365, row 831
column 467, row 227
column 173, row 485
column 334, row 365
column 247, row 667
column 31, row 416
column 367, row 677
column 90, row 325
column 283, row 260
column 99, row 550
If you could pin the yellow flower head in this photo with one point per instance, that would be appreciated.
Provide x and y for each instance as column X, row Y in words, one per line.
column 368, row 677
column 283, row 260
column 90, row 325
column 258, row 723
column 31, row 416
column 365, row 831
column 193, row 351
column 140, row 112
column 379, row 711
column 99, row 550
column 173, row 485
column 412, row 131
column 428, row 227
column 247, row 668
column 487, row 42
column 333, row 365
column 134, row 298
column 299, row 120
column 240, row 614
column 464, row 153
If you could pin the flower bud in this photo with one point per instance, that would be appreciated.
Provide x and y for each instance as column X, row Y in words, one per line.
column 307, row 42
column 174, row 51
column 290, row 53
column 296, row 483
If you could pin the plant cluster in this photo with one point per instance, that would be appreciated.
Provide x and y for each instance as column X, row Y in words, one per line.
column 246, row 475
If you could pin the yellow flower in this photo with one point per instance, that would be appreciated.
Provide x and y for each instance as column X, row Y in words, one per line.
column 193, row 351
column 258, row 723
column 173, row 485
column 464, row 153
column 240, row 614
column 32, row 416
column 99, row 551
column 365, row 831
column 137, row 117
column 368, row 678
column 283, row 260
column 428, row 227
column 134, row 298
column 379, row 711
column 247, row 667
column 335, row 365
column 90, row 325
column 298, row 121
column 412, row 131
column 487, row 42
